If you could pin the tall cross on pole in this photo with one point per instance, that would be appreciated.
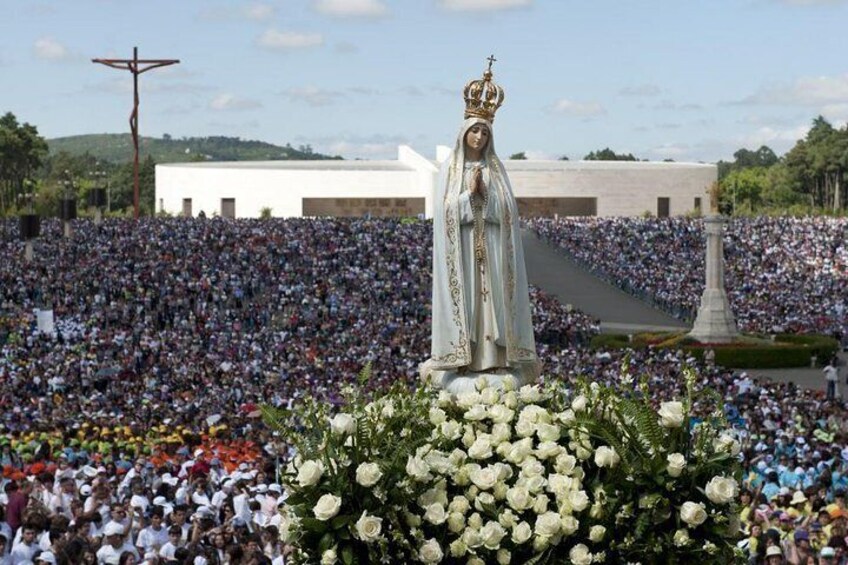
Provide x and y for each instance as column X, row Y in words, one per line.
column 136, row 66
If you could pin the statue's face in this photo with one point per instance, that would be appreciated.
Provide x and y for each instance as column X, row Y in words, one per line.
column 477, row 137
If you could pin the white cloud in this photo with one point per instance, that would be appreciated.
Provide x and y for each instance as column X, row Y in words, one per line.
column 640, row 90
column 49, row 49
column 773, row 137
column 582, row 109
column 227, row 101
column 483, row 5
column 351, row 8
column 259, row 12
column 289, row 40
column 669, row 151
column 806, row 91
column 312, row 95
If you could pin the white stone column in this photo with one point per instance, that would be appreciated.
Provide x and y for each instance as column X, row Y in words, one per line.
column 28, row 250
column 67, row 228
column 715, row 322
column 98, row 216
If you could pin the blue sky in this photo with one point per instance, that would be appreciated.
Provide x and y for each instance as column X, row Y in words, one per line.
column 681, row 79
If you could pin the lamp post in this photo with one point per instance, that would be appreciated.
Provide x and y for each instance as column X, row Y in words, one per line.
column 30, row 225
column 97, row 194
column 67, row 202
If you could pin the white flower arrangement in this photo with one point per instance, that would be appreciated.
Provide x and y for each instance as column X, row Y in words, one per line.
column 537, row 475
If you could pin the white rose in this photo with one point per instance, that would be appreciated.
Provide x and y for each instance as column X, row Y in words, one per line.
column 721, row 490
column 327, row 507
column 519, row 451
column 437, row 416
column 510, row 400
column 579, row 500
column 481, row 448
column 504, row 557
column 507, row 518
column 367, row 474
column 569, row 525
column 579, row 403
column 521, row 533
column 458, row 548
column 489, row 396
column 535, row 484
column 596, row 533
column 582, row 453
column 368, row 528
column 676, row 464
column 547, row 524
column 693, row 513
column 540, row 505
column 451, row 429
column 476, row 413
column 529, row 393
column 500, row 414
column 671, row 414
column 580, row 555
column 475, row 522
column 310, row 473
column 417, row 468
column 565, row 463
column 431, row 552
column 435, row 514
column 606, row 456
column 548, row 450
column 541, row 543
column 388, row 409
column 467, row 399
column 559, row 485
column 329, row 557
column 681, row 538
column 567, row 417
column 456, row 522
column 343, row 424
column 547, row 432
column 484, row 478
column 471, row 537
column 532, row 467
column 525, row 428
column 484, row 499
column 519, row 498
column 492, row 534
column 725, row 443
column 459, row 504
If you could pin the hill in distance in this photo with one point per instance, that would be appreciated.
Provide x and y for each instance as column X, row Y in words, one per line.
column 117, row 148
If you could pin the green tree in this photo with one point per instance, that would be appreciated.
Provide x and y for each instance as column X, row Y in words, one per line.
column 608, row 154
column 22, row 151
column 518, row 156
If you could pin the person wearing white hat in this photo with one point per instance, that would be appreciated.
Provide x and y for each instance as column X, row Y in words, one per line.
column 774, row 555
column 114, row 544
column 45, row 558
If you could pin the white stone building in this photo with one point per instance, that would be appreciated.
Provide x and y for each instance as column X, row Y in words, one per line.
column 407, row 186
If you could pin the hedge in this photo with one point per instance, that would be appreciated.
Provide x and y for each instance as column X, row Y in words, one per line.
column 788, row 350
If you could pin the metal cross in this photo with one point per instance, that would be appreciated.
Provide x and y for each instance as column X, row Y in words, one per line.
column 491, row 60
column 485, row 293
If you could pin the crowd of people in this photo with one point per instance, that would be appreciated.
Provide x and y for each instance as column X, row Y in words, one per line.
column 782, row 274
column 170, row 334
column 132, row 433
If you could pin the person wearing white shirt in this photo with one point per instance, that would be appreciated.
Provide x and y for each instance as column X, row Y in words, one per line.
column 169, row 549
column 153, row 536
column 26, row 548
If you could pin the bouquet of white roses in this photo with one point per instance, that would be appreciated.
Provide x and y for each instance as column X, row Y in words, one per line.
column 513, row 476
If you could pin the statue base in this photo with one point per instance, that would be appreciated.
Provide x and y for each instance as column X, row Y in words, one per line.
column 714, row 323
column 455, row 381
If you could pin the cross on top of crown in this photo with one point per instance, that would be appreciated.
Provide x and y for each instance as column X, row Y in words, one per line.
column 491, row 60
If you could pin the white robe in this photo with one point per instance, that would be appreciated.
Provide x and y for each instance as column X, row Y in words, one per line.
column 462, row 320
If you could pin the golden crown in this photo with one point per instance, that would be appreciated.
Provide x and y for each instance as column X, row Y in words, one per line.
column 482, row 96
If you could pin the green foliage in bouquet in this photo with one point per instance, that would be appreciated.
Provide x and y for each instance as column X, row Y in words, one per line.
column 531, row 476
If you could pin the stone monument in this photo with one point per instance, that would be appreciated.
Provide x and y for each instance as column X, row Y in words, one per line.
column 715, row 322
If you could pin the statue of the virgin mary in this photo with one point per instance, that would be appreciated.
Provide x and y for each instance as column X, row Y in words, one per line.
column 481, row 307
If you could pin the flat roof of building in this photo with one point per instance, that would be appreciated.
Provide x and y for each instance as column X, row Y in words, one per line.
column 316, row 165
